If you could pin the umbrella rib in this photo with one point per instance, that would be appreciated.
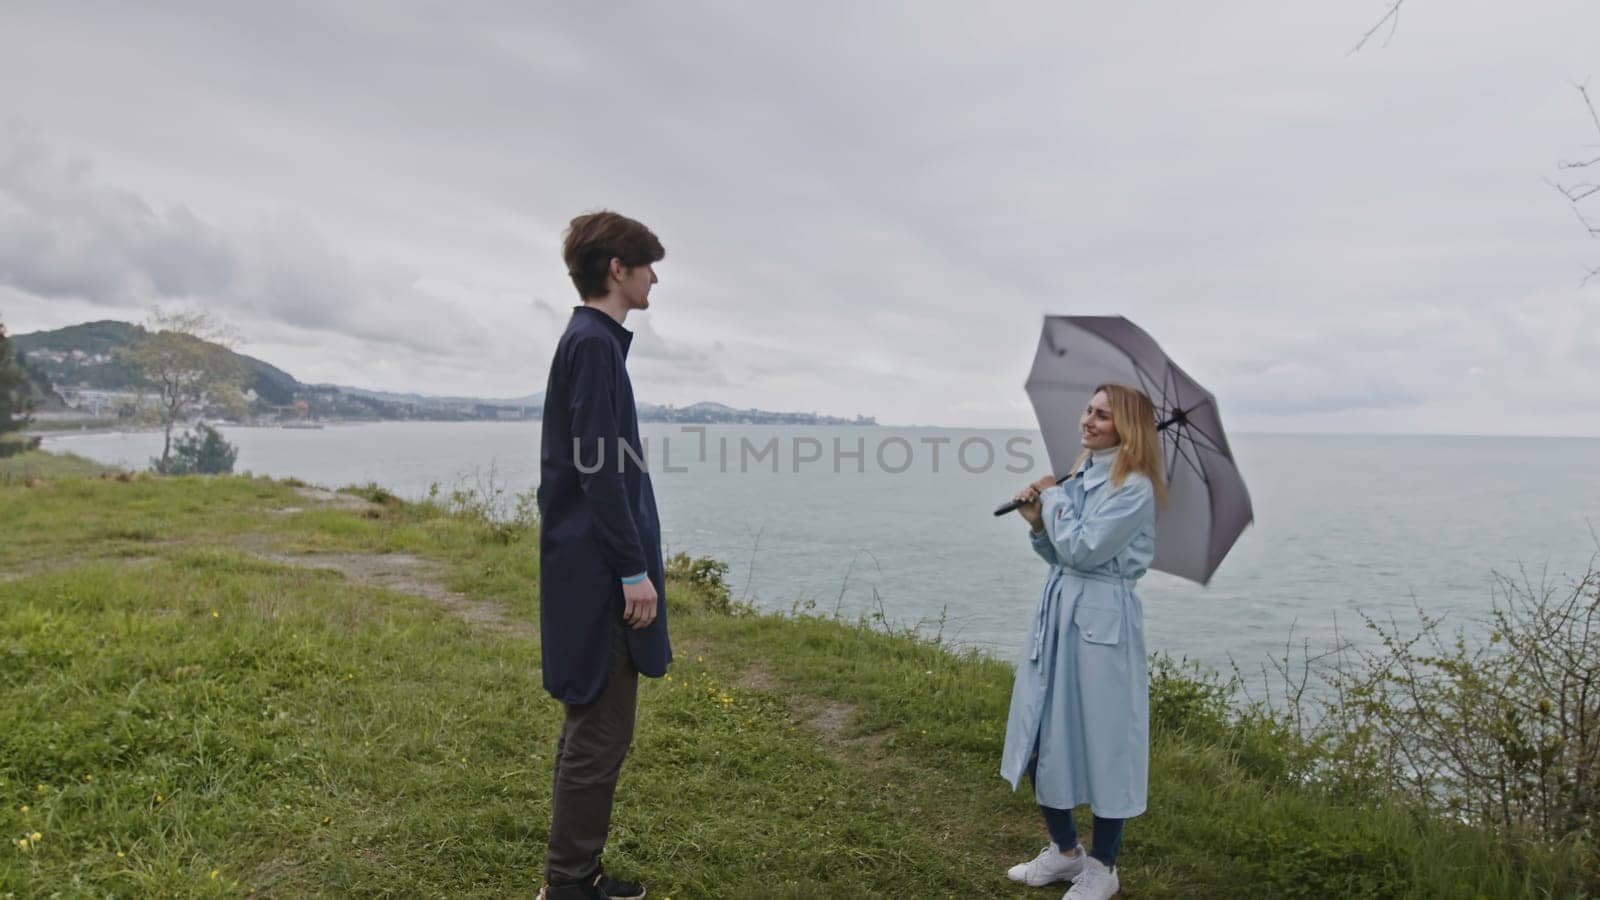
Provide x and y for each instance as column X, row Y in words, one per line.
column 1208, row 443
column 1146, row 383
column 1182, row 416
column 1215, row 444
column 1172, row 461
column 1194, row 464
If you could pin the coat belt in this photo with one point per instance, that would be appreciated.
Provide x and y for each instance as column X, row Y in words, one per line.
column 1044, row 609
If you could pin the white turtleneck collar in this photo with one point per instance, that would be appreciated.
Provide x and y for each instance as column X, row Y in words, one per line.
column 1103, row 457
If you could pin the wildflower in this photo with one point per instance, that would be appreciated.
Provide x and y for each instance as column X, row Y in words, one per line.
column 215, row 873
column 25, row 808
column 22, row 844
column 160, row 799
column 38, row 788
column 120, row 854
column 88, row 776
column 215, row 614
column 36, row 837
column 327, row 819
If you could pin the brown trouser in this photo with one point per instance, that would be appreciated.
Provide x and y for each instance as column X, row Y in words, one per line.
column 594, row 739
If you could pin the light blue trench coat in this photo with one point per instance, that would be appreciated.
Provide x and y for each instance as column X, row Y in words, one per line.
column 1081, row 701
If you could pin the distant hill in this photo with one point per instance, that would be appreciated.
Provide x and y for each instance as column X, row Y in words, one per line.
column 707, row 413
column 88, row 357
column 536, row 400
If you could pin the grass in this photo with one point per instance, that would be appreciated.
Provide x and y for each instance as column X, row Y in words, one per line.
column 184, row 711
column 42, row 464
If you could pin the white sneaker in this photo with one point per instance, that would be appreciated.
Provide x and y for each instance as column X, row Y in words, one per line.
column 1049, row 867
column 1095, row 882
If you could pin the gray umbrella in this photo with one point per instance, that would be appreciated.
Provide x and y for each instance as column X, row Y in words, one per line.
column 1208, row 505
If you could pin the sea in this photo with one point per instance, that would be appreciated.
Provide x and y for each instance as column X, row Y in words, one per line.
column 897, row 524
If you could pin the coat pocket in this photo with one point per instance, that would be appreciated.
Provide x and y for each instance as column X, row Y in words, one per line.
column 1098, row 624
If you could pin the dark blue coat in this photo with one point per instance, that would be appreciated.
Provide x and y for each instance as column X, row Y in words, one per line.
column 598, row 520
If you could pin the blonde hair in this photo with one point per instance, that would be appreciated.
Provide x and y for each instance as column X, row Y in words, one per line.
column 1139, row 447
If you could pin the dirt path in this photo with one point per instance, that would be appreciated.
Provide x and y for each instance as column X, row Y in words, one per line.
column 398, row 572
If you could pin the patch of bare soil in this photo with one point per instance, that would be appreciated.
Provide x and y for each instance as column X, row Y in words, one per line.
column 827, row 718
column 398, row 572
column 333, row 499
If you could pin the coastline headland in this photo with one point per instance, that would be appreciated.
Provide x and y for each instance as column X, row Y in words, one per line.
column 232, row 684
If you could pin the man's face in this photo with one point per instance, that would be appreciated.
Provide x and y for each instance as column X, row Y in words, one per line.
column 633, row 283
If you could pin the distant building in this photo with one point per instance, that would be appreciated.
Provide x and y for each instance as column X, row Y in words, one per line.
column 103, row 404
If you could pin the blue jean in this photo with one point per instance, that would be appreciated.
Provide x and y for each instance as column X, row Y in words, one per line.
column 1107, row 834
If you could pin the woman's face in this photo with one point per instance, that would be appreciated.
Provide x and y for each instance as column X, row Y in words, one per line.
column 1098, row 430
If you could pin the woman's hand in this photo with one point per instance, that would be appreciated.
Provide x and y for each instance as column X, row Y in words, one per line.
column 1028, row 502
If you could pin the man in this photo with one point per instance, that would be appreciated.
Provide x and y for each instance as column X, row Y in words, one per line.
column 601, row 588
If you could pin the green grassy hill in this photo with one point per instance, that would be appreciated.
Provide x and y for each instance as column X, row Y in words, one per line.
column 234, row 685
column 106, row 338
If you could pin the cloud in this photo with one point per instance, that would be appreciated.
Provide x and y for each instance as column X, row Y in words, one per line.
column 66, row 235
column 867, row 208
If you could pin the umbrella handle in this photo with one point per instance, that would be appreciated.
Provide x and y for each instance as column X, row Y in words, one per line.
column 1011, row 506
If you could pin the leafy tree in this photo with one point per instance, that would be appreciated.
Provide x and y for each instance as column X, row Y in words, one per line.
column 187, row 357
column 203, row 451
column 14, row 402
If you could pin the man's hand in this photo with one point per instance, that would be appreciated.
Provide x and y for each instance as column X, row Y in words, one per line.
column 639, row 604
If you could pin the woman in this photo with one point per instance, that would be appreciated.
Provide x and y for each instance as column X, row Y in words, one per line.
column 1079, row 724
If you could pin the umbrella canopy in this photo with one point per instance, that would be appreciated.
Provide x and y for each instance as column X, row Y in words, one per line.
column 1207, row 503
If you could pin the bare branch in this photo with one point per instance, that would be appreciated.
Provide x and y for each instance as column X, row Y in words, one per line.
column 1588, row 103
column 1583, row 90
column 1392, row 17
column 1594, row 230
column 1577, row 194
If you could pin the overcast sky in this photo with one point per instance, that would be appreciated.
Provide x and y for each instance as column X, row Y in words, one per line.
column 867, row 207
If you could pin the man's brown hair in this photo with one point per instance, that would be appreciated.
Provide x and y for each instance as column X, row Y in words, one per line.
column 594, row 239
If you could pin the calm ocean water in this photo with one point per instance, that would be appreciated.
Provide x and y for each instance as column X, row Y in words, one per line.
column 1344, row 525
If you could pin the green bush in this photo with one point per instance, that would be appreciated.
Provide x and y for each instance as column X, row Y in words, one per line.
column 1496, row 724
column 707, row 581
column 203, row 451
column 15, row 446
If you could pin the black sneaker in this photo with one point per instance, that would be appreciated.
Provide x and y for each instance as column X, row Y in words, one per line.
column 613, row 889
column 581, row 891
column 601, row 887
